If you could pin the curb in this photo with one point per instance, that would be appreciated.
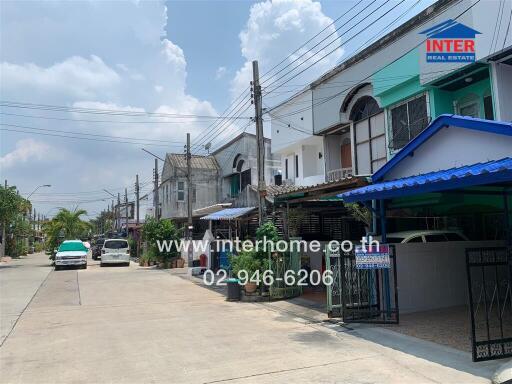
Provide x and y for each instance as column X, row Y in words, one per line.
column 504, row 374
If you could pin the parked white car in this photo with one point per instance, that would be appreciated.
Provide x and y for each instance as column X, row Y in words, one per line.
column 71, row 253
column 115, row 251
column 423, row 236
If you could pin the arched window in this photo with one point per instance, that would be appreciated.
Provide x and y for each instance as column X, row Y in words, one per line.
column 235, row 160
column 363, row 108
column 240, row 165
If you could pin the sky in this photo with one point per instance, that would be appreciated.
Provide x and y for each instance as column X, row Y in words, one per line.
column 146, row 73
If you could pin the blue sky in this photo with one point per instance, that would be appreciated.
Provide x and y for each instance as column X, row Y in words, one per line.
column 178, row 57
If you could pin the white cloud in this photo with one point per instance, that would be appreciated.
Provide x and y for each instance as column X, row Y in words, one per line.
column 79, row 54
column 275, row 29
column 220, row 73
column 27, row 150
column 75, row 77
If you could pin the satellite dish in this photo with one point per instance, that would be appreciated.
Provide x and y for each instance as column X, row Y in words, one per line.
column 208, row 146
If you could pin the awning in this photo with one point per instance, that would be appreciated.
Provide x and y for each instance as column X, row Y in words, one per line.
column 228, row 213
column 210, row 209
column 491, row 172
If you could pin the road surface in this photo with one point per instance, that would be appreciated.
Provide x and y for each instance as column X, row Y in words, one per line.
column 139, row 325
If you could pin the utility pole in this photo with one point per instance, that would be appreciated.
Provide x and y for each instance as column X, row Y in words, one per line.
column 126, row 209
column 189, row 202
column 113, row 216
column 4, row 224
column 137, row 214
column 118, row 212
column 156, row 197
column 262, row 189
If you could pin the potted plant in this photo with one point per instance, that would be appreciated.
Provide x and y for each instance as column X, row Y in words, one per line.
column 249, row 263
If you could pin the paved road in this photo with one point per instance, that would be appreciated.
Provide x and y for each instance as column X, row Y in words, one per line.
column 136, row 325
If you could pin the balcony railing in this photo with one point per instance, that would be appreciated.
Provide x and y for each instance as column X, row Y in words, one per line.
column 339, row 174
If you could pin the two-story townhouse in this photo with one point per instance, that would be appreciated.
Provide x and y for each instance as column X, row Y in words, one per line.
column 173, row 188
column 238, row 173
column 372, row 104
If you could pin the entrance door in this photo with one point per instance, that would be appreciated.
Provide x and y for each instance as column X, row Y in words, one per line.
column 362, row 295
column 489, row 274
column 346, row 156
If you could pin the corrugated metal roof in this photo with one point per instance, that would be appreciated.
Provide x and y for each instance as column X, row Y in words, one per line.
column 228, row 213
column 196, row 161
column 495, row 171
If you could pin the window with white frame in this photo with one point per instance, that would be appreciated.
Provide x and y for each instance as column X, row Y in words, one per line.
column 180, row 191
column 407, row 120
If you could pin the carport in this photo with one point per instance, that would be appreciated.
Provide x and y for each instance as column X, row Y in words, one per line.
column 458, row 170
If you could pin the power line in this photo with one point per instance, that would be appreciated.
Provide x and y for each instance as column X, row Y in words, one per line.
column 367, row 77
column 88, row 134
column 77, row 137
column 333, row 50
column 46, row 107
column 307, row 42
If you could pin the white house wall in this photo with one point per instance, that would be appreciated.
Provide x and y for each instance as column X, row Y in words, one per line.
column 502, row 86
column 290, row 113
column 453, row 147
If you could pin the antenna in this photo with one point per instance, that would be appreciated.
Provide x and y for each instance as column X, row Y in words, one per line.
column 208, row 146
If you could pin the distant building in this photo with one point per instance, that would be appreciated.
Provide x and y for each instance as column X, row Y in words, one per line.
column 173, row 189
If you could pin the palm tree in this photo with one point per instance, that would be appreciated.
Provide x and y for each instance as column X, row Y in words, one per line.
column 70, row 225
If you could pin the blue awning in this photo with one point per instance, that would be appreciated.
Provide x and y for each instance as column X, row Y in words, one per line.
column 228, row 213
column 491, row 172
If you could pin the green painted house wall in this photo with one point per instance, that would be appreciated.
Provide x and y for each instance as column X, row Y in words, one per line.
column 443, row 101
column 399, row 80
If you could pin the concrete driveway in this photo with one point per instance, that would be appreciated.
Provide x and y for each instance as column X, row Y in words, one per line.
column 137, row 325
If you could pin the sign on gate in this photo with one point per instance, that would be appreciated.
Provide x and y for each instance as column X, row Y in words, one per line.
column 371, row 257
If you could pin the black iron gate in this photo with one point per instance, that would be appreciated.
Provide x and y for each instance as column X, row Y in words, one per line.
column 489, row 272
column 363, row 295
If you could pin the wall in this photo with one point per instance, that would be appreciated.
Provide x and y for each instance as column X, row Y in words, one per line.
column 433, row 275
column 290, row 113
column 246, row 146
column 465, row 146
column 311, row 167
column 502, row 88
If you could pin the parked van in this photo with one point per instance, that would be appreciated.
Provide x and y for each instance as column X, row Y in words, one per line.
column 115, row 251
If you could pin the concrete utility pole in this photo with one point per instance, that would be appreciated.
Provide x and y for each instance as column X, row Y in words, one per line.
column 118, row 212
column 189, row 201
column 136, row 231
column 113, row 217
column 126, row 209
column 4, row 223
column 262, row 189
column 137, row 199
column 156, row 197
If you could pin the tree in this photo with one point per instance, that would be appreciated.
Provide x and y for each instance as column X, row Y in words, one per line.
column 66, row 225
column 155, row 230
column 13, row 210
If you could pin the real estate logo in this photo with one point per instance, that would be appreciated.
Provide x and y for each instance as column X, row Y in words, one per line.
column 450, row 42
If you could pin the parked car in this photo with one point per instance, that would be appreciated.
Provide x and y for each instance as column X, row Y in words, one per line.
column 423, row 236
column 115, row 251
column 96, row 249
column 71, row 253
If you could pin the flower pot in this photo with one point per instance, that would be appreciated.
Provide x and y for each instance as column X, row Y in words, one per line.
column 250, row 287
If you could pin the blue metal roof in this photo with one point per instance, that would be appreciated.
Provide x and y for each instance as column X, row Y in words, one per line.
column 495, row 171
column 443, row 121
column 228, row 213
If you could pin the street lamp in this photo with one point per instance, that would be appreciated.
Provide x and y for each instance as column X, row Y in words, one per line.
column 110, row 193
column 40, row 186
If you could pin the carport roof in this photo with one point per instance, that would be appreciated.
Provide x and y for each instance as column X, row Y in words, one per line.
column 496, row 127
column 228, row 213
column 491, row 172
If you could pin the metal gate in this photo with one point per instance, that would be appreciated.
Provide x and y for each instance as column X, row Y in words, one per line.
column 279, row 263
column 489, row 273
column 362, row 295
